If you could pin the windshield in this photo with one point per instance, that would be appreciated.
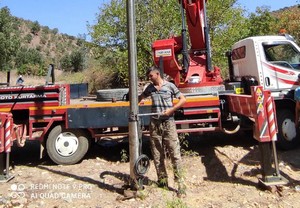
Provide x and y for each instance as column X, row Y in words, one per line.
column 282, row 54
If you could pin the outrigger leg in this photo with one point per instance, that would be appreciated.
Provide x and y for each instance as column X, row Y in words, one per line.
column 6, row 123
column 4, row 167
column 270, row 174
column 260, row 107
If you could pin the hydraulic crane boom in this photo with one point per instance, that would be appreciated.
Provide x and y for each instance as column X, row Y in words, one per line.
column 195, row 17
column 190, row 69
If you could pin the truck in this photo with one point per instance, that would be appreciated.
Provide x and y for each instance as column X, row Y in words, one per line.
column 66, row 130
column 272, row 62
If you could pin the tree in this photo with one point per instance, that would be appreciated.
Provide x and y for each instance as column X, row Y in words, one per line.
column 55, row 31
column 227, row 24
column 289, row 20
column 30, row 61
column 159, row 20
column 262, row 22
column 35, row 27
column 75, row 61
column 65, row 62
column 9, row 42
column 109, row 35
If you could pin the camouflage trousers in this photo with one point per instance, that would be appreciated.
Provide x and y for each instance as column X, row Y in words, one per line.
column 164, row 137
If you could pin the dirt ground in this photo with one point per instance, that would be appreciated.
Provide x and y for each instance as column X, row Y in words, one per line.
column 220, row 171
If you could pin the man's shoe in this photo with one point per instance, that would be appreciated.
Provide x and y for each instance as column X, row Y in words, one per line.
column 181, row 193
column 163, row 183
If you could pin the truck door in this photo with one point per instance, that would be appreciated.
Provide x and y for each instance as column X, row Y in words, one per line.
column 281, row 66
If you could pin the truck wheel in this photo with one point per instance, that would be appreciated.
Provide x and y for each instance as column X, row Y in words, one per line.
column 67, row 146
column 287, row 134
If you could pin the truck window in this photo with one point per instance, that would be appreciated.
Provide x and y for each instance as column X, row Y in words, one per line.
column 239, row 53
column 282, row 54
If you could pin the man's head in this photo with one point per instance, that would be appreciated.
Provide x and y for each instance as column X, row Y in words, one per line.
column 153, row 73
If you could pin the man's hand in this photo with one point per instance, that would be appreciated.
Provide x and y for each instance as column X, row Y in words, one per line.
column 168, row 112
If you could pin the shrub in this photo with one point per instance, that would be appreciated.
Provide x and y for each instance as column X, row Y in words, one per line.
column 32, row 69
column 98, row 78
column 28, row 38
column 35, row 27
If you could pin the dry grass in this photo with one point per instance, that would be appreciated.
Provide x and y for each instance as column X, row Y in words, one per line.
column 28, row 79
column 96, row 78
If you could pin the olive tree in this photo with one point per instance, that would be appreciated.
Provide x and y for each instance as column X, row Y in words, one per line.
column 9, row 41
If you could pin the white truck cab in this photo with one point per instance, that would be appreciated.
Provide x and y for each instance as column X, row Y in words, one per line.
column 274, row 63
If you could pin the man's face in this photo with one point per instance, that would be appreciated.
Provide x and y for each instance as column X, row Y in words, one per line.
column 153, row 76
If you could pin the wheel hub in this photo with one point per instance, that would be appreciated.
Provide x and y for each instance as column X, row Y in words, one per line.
column 66, row 144
column 289, row 130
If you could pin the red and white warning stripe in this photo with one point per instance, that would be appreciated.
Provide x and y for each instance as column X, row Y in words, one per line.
column 271, row 119
column 7, row 131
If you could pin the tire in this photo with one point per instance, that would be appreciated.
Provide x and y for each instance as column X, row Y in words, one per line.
column 67, row 146
column 288, row 136
column 109, row 94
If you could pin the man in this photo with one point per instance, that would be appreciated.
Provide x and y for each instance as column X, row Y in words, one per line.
column 20, row 80
column 297, row 99
column 163, row 133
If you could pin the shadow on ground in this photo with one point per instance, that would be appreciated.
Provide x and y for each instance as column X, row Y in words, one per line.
column 204, row 145
column 114, row 149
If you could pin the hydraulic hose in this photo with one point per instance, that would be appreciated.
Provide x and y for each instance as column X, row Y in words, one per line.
column 185, row 61
column 141, row 165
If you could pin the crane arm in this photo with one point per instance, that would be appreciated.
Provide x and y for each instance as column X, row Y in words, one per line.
column 172, row 55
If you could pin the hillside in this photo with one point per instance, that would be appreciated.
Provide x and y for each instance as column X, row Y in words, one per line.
column 51, row 44
column 42, row 45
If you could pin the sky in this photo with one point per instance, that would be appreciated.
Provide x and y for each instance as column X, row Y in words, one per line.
column 68, row 16
column 71, row 16
column 251, row 5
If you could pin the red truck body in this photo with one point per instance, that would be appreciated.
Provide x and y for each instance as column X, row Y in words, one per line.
column 45, row 113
